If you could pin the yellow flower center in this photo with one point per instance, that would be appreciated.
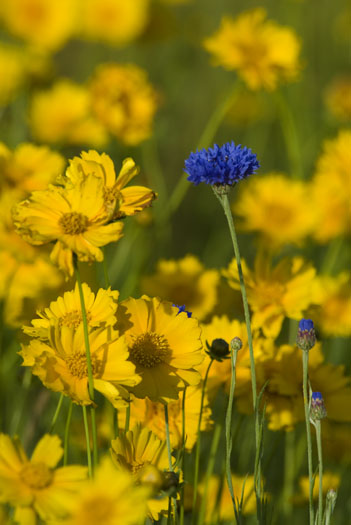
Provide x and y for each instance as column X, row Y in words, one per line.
column 74, row 223
column 149, row 350
column 78, row 366
column 36, row 475
column 73, row 319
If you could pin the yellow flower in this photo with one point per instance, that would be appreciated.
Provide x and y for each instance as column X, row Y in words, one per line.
column 33, row 486
column 152, row 416
column 119, row 200
column 163, row 344
column 12, row 73
column 124, row 101
column 63, row 114
column 114, row 21
column 336, row 439
column 75, row 217
column 42, row 23
column 29, row 167
column 338, row 98
column 61, row 363
column 184, row 282
column 110, row 498
column 331, row 188
column 135, row 451
column 263, row 52
column 333, row 297
column 276, row 207
column 66, row 311
column 275, row 292
column 330, row 480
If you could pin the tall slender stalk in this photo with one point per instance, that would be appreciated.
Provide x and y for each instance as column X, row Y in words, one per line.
column 89, row 363
column 228, row 426
column 87, row 439
column 67, row 427
column 56, row 415
column 198, row 443
column 170, row 464
column 320, row 470
column 182, row 459
column 308, row 432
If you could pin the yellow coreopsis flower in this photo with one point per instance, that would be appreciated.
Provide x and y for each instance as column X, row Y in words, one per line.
column 261, row 51
column 67, row 311
column 75, row 217
column 331, row 188
column 134, row 451
column 184, row 282
column 42, row 23
column 34, row 486
column 114, row 21
column 120, row 201
column 110, row 498
column 163, row 344
column 124, row 101
column 275, row 292
column 61, row 363
column 276, row 207
column 62, row 115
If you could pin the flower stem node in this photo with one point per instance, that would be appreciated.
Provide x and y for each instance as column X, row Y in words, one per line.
column 306, row 335
column 317, row 410
column 218, row 350
column 236, row 344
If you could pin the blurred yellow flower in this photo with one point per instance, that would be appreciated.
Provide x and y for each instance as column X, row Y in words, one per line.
column 277, row 207
column 330, row 480
column 184, row 282
column 28, row 167
column 333, row 297
column 114, row 21
column 66, row 311
column 124, row 101
column 119, row 200
column 33, row 486
column 61, row 365
column 12, row 73
column 152, row 416
column 275, row 292
column 63, row 115
column 263, row 52
column 134, row 452
column 338, row 98
column 42, row 23
column 110, row 498
column 163, row 344
column 336, row 439
column 331, row 188
column 74, row 217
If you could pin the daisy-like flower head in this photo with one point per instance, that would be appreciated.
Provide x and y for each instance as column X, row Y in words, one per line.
column 163, row 344
column 67, row 311
column 111, row 497
column 119, row 200
column 75, row 217
column 33, row 486
column 221, row 165
column 61, row 363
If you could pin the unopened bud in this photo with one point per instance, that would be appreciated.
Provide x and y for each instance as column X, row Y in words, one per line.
column 306, row 335
column 317, row 410
column 218, row 350
column 236, row 344
column 170, row 483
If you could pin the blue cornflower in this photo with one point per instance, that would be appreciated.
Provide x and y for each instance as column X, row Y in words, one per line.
column 317, row 409
column 182, row 309
column 221, row 165
column 306, row 335
column 306, row 324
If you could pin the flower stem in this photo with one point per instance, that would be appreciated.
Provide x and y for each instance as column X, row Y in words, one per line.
column 226, row 208
column 67, row 427
column 320, row 468
column 308, row 432
column 228, row 427
column 56, row 415
column 170, row 464
column 198, row 442
column 87, row 439
column 182, row 459
column 127, row 420
column 89, row 364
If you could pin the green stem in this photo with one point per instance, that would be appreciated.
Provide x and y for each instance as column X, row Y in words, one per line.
column 56, row 415
column 308, row 432
column 228, row 427
column 89, row 364
column 182, row 460
column 224, row 200
column 198, row 443
column 320, row 468
column 209, row 471
column 67, row 427
column 170, row 465
column 290, row 134
column 87, row 439
column 127, row 420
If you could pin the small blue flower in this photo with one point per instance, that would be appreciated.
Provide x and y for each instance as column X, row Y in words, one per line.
column 306, row 335
column 317, row 410
column 306, row 324
column 221, row 165
column 317, row 396
column 182, row 309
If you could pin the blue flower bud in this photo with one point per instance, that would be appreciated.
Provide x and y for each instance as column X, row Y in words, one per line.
column 317, row 410
column 306, row 335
